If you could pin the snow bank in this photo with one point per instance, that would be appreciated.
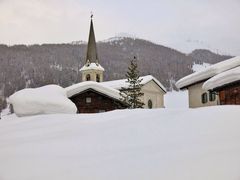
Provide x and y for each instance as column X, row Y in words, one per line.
column 118, row 84
column 222, row 79
column 208, row 72
column 176, row 99
column 48, row 99
column 167, row 144
column 99, row 87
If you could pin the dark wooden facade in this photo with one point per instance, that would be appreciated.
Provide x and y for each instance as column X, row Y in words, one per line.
column 91, row 101
column 229, row 94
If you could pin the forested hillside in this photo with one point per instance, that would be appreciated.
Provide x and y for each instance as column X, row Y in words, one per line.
column 24, row 66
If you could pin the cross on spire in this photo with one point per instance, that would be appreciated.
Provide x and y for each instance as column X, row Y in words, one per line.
column 91, row 14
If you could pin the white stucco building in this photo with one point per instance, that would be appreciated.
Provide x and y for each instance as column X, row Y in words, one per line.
column 153, row 90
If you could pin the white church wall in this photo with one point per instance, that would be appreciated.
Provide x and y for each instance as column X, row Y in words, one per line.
column 154, row 93
column 93, row 75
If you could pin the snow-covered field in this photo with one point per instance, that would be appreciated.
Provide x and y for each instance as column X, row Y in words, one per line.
column 176, row 99
column 167, row 144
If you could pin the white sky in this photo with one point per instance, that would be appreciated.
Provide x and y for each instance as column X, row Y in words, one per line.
column 181, row 24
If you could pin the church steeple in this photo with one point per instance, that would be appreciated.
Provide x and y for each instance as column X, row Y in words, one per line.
column 92, row 47
column 92, row 70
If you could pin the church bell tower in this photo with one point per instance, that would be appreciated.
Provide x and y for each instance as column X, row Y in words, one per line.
column 92, row 70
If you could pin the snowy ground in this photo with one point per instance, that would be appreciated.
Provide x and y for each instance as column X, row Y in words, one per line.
column 176, row 99
column 168, row 144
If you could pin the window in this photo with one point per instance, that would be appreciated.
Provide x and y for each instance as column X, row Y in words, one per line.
column 212, row 96
column 88, row 78
column 150, row 104
column 97, row 78
column 88, row 99
column 204, row 98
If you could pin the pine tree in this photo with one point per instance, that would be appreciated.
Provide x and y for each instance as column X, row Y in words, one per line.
column 131, row 95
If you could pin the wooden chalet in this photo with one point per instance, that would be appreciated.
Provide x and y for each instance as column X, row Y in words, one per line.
column 93, row 97
column 226, row 85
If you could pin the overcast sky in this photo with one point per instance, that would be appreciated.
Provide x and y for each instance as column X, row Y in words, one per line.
column 181, row 24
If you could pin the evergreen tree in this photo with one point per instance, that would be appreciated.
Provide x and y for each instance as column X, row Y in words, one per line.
column 131, row 95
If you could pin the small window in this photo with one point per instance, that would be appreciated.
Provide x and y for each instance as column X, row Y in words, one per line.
column 212, row 96
column 150, row 104
column 97, row 78
column 88, row 99
column 204, row 98
column 88, row 78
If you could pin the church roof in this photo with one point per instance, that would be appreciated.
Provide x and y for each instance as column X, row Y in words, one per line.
column 92, row 56
column 118, row 84
column 92, row 66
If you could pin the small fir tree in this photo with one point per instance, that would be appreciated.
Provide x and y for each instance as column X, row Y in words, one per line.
column 131, row 95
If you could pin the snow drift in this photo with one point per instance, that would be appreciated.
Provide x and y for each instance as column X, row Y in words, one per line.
column 157, row 144
column 48, row 99
column 82, row 86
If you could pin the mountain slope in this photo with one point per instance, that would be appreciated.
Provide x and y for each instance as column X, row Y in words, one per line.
column 37, row 65
column 204, row 55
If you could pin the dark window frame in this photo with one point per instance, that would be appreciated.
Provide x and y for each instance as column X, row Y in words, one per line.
column 212, row 96
column 88, row 77
column 97, row 77
column 204, row 98
column 150, row 104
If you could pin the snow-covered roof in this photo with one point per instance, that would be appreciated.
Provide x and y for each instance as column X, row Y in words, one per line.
column 208, row 72
column 222, row 79
column 82, row 86
column 118, row 84
column 92, row 66
column 48, row 99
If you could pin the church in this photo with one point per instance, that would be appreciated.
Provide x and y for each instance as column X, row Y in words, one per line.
column 94, row 95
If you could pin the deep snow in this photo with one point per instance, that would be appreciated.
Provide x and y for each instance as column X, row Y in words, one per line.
column 99, row 87
column 176, row 99
column 168, row 144
column 49, row 99
column 222, row 79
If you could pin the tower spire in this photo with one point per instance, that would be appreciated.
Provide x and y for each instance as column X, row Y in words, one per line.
column 92, row 56
column 92, row 70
